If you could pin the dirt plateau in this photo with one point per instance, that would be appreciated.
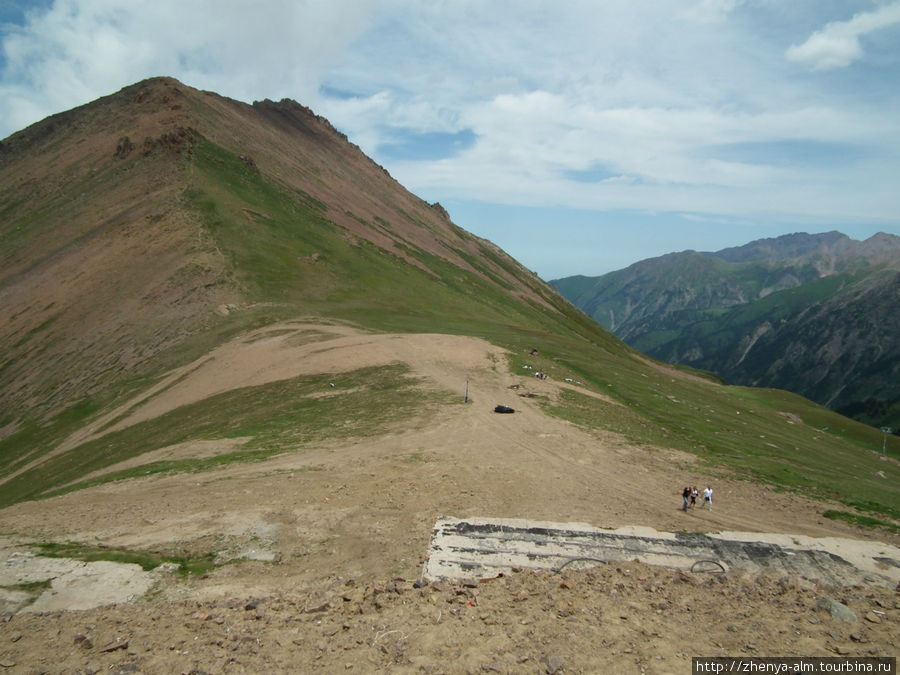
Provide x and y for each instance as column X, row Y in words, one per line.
column 325, row 545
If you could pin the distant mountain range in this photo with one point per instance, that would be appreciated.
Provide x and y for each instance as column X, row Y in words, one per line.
column 815, row 314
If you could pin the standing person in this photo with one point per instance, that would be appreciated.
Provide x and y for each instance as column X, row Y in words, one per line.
column 685, row 495
column 694, row 494
column 707, row 497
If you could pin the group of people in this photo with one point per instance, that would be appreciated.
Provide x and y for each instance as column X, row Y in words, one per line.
column 690, row 494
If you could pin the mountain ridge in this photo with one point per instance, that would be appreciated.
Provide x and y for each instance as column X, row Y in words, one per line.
column 724, row 310
column 137, row 149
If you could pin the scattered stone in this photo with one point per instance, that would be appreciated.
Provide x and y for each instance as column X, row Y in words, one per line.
column 552, row 664
column 683, row 577
column 872, row 617
column 317, row 604
column 115, row 646
column 420, row 583
column 84, row 642
column 839, row 612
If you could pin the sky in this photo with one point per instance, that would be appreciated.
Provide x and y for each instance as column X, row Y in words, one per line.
column 579, row 135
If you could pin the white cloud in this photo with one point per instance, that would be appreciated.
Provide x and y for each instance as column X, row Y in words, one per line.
column 837, row 45
column 78, row 50
column 710, row 11
column 656, row 105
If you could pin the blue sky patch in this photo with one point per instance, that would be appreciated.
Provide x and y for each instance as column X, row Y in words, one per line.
column 13, row 11
column 596, row 174
column 409, row 146
column 789, row 153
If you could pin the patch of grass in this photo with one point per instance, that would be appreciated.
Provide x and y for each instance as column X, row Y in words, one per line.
column 40, row 435
column 30, row 586
column 862, row 521
column 890, row 510
column 278, row 417
column 147, row 560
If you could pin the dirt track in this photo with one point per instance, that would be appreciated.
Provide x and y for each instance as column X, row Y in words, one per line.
column 363, row 517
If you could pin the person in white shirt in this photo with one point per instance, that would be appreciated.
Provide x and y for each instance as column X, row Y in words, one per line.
column 707, row 498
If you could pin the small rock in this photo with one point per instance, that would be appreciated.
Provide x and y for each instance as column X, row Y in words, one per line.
column 839, row 612
column 420, row 583
column 872, row 617
column 683, row 577
column 84, row 642
column 552, row 664
column 318, row 603
column 115, row 646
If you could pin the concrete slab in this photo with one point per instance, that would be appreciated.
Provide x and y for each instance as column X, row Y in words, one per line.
column 73, row 584
column 478, row 548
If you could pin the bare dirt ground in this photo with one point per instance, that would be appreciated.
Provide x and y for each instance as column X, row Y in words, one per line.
column 334, row 536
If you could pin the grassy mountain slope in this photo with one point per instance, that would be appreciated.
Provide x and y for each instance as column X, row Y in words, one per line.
column 145, row 230
column 814, row 314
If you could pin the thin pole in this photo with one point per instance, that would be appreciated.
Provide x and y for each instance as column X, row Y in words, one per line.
column 467, row 390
